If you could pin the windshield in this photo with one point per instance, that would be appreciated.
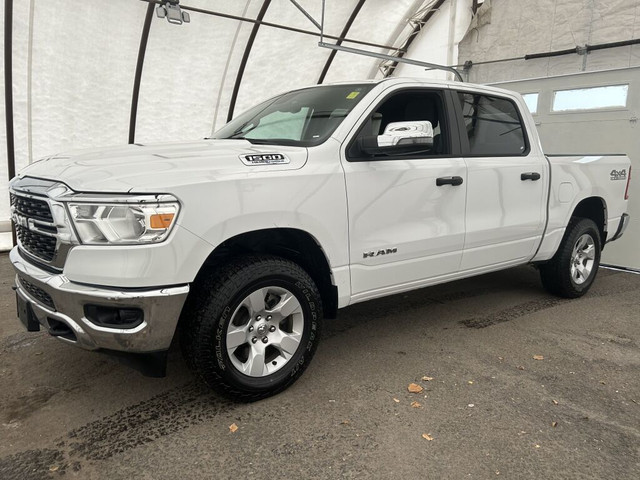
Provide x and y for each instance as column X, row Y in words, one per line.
column 303, row 117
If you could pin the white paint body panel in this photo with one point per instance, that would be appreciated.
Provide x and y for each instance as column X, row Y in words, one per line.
column 494, row 220
column 396, row 205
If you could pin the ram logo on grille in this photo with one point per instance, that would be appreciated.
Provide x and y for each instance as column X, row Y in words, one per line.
column 20, row 221
column 265, row 159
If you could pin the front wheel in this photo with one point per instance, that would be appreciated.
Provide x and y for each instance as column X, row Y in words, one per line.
column 252, row 326
column 572, row 270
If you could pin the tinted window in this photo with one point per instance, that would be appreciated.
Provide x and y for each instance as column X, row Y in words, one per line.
column 493, row 125
column 407, row 106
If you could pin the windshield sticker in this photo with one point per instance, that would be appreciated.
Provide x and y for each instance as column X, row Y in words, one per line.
column 264, row 159
column 352, row 95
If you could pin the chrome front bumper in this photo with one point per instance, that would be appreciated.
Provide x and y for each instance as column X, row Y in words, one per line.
column 161, row 307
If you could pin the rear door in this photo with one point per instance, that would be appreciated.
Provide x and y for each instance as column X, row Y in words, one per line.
column 404, row 229
column 507, row 182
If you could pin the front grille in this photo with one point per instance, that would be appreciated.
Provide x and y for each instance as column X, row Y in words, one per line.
column 32, row 208
column 33, row 212
column 42, row 246
column 37, row 293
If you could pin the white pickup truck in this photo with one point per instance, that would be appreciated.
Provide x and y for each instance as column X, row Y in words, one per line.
column 314, row 200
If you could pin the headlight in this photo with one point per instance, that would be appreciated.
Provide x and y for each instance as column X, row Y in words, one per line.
column 123, row 223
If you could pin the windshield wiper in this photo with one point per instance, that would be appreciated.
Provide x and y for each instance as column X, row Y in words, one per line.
column 240, row 132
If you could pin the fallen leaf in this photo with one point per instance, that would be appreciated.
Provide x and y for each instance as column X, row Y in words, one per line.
column 416, row 405
column 53, row 468
column 415, row 388
column 538, row 357
column 426, row 436
column 520, row 367
column 233, row 428
column 554, row 424
column 345, row 422
column 555, row 402
column 427, row 379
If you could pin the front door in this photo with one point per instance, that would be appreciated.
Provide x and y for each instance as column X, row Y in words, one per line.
column 405, row 228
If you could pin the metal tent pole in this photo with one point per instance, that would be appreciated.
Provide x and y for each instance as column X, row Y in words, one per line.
column 138, row 78
column 245, row 58
column 8, row 94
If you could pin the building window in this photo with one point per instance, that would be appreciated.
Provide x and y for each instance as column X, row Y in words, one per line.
column 594, row 98
column 531, row 99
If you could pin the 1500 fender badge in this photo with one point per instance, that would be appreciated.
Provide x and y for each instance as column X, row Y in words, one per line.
column 387, row 251
column 618, row 174
column 264, row 159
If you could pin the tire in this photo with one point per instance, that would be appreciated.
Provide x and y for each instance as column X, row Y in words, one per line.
column 572, row 270
column 250, row 328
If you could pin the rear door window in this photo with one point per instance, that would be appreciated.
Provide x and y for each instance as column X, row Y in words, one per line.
column 493, row 126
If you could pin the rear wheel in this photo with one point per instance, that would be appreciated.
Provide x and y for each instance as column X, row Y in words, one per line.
column 571, row 272
column 252, row 326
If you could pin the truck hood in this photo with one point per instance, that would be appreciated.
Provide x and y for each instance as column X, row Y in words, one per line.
column 157, row 168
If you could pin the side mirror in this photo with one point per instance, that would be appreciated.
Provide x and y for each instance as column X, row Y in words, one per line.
column 399, row 137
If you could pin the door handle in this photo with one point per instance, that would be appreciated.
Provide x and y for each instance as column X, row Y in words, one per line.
column 530, row 176
column 455, row 181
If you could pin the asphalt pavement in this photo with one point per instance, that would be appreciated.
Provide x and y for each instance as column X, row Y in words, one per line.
column 510, row 383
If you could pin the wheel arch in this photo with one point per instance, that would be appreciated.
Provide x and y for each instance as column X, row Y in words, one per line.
column 293, row 244
column 594, row 208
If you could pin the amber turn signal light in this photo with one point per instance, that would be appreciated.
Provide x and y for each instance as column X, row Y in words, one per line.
column 161, row 220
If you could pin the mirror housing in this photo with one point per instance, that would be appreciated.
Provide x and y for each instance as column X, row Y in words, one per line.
column 399, row 137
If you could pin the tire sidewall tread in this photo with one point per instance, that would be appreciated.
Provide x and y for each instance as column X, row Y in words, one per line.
column 210, row 308
column 556, row 274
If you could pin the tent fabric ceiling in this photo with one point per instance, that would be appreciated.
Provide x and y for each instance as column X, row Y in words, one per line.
column 74, row 66
column 83, row 58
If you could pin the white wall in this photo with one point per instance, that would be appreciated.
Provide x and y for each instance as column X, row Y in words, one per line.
column 507, row 29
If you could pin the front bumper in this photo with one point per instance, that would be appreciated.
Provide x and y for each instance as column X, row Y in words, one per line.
column 54, row 300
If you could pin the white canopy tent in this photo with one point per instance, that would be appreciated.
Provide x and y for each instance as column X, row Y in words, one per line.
column 92, row 73
column 75, row 64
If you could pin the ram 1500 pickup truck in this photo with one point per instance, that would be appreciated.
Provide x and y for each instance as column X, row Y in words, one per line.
column 239, row 245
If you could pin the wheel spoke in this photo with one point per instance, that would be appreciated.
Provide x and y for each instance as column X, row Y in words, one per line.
column 584, row 241
column 289, row 342
column 582, row 271
column 236, row 337
column 288, row 305
column 255, row 363
column 255, row 301
column 590, row 252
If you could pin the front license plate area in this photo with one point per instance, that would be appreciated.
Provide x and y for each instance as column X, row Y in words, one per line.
column 26, row 315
